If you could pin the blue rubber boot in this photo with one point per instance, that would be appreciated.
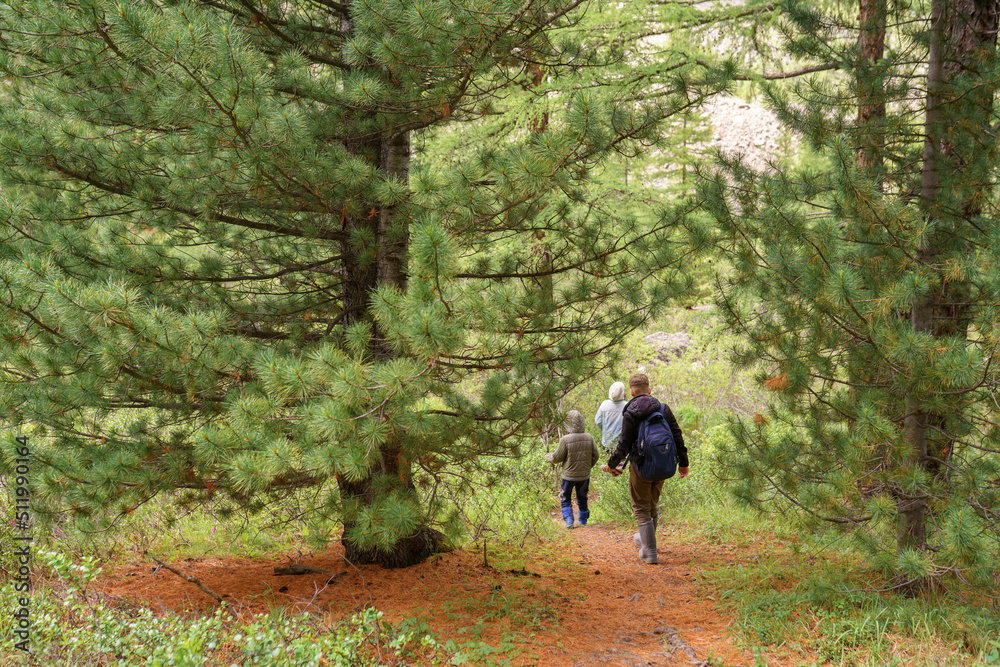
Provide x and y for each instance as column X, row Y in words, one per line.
column 584, row 515
column 568, row 516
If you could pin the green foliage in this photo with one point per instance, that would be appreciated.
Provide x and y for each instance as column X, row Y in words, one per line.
column 864, row 298
column 236, row 252
column 505, row 502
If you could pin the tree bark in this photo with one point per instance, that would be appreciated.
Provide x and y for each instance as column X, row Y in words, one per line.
column 912, row 506
column 871, row 94
column 410, row 549
column 363, row 273
column 963, row 38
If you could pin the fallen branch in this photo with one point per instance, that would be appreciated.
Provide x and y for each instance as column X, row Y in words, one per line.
column 195, row 581
column 678, row 644
column 296, row 568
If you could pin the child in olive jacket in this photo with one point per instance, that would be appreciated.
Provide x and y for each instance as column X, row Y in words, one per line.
column 578, row 453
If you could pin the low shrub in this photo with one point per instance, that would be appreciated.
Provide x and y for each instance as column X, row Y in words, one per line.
column 69, row 626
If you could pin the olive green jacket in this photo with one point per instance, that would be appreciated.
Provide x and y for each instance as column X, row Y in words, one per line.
column 577, row 451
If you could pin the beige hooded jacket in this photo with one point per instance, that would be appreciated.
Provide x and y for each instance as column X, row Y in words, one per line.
column 577, row 450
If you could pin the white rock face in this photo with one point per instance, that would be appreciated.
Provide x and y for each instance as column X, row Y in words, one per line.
column 668, row 345
column 749, row 129
column 738, row 128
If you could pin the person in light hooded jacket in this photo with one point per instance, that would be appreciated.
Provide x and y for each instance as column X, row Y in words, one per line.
column 609, row 417
column 577, row 452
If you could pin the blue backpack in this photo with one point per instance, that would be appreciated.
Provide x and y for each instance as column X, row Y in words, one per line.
column 655, row 450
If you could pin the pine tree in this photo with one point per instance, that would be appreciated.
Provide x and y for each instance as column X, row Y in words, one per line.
column 223, row 273
column 866, row 289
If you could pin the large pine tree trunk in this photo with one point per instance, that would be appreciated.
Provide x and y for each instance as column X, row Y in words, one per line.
column 912, row 506
column 963, row 36
column 410, row 549
column 363, row 274
column 388, row 267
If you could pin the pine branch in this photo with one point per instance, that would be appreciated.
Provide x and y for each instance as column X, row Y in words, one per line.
column 299, row 569
column 340, row 7
column 785, row 75
column 297, row 268
column 277, row 484
column 122, row 190
column 256, row 16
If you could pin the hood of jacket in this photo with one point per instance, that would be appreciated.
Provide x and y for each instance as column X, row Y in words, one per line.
column 574, row 422
column 617, row 391
column 642, row 406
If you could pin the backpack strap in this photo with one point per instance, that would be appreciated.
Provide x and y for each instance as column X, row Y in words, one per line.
column 634, row 456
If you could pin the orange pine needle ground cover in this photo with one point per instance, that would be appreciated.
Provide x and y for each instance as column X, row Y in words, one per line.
column 582, row 600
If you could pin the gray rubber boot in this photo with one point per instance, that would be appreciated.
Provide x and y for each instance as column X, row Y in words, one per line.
column 647, row 533
column 638, row 538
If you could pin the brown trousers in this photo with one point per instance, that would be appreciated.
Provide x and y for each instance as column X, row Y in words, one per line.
column 645, row 495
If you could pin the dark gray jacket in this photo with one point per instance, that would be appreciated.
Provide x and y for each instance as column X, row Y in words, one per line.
column 633, row 413
column 577, row 450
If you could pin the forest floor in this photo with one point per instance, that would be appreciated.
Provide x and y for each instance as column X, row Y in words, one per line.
column 581, row 599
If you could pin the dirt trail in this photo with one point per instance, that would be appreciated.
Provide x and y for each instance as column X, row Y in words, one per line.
column 645, row 614
column 584, row 600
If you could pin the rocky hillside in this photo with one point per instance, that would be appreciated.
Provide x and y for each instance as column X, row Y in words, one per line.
column 749, row 129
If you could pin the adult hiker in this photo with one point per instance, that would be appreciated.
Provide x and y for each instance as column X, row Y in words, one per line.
column 609, row 417
column 578, row 453
column 644, row 493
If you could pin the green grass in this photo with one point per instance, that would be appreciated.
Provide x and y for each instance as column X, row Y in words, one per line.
column 163, row 529
column 825, row 611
